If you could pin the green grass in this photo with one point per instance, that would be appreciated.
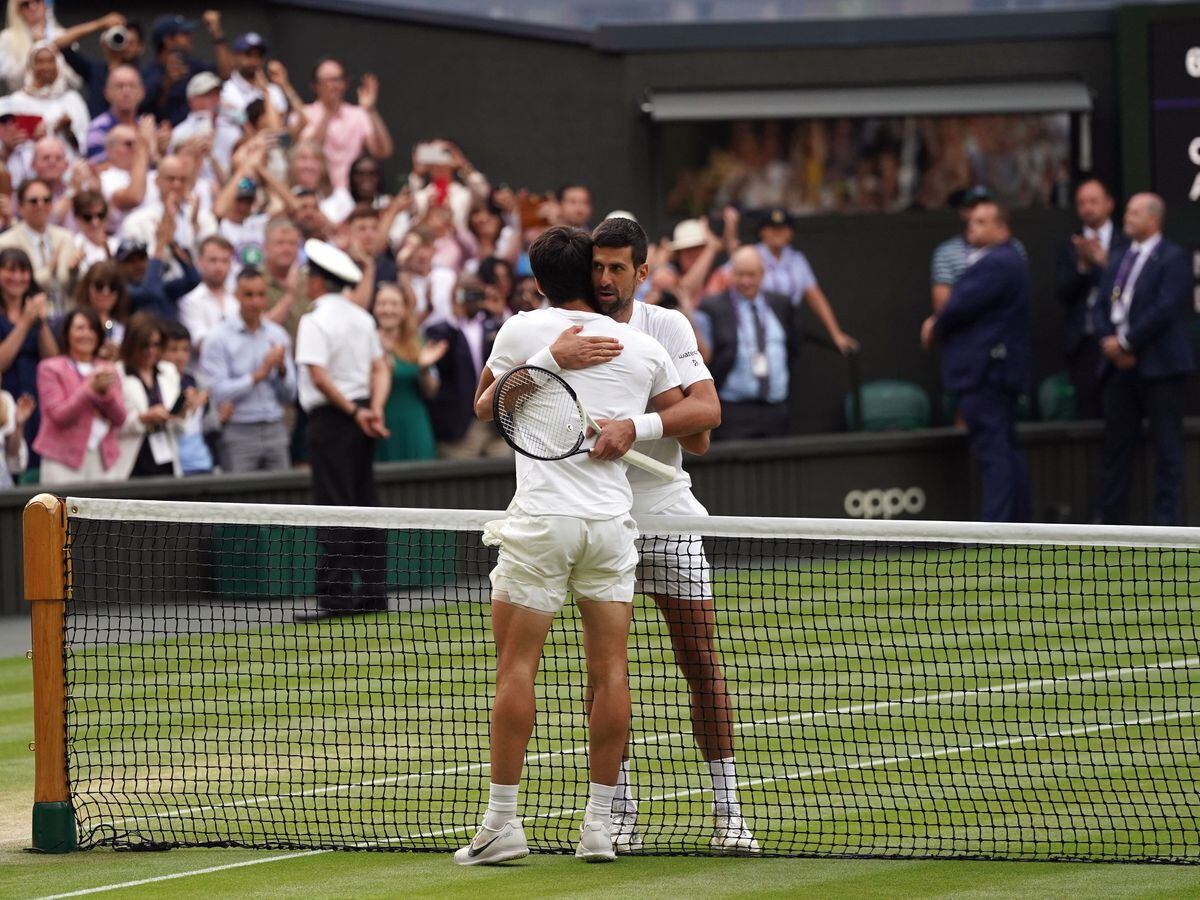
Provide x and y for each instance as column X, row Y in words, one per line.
column 1053, row 718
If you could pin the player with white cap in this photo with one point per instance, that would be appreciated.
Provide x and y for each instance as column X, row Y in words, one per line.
column 344, row 380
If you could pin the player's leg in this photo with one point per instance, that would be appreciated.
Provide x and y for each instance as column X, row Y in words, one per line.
column 528, row 588
column 605, row 642
column 604, row 574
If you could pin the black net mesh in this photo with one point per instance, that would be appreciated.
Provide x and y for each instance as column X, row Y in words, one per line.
column 893, row 700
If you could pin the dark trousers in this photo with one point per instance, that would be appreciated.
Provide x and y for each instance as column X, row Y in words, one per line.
column 343, row 475
column 1082, row 366
column 990, row 414
column 1128, row 399
column 740, row 421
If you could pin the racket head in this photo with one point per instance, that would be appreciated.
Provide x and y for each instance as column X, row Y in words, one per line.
column 538, row 414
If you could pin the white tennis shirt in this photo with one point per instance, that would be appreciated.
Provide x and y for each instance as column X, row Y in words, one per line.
column 671, row 329
column 580, row 486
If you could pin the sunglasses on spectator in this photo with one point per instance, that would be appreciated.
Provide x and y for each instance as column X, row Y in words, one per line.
column 106, row 287
column 93, row 217
column 37, row 201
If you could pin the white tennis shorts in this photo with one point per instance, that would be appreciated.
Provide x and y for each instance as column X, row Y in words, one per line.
column 674, row 565
column 541, row 557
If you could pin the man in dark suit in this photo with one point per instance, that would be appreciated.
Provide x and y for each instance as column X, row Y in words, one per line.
column 1142, row 322
column 985, row 358
column 753, row 337
column 1081, row 264
column 469, row 335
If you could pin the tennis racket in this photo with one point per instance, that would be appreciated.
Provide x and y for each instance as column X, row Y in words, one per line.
column 539, row 415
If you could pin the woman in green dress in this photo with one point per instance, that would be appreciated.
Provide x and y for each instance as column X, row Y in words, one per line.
column 413, row 379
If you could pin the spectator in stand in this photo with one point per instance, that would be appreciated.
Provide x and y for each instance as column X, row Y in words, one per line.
column 102, row 290
column 247, row 360
column 14, row 452
column 246, row 82
column 173, row 66
column 90, row 214
column 50, row 164
column 753, row 337
column 574, row 206
column 203, row 131
column 150, row 288
column 983, row 329
column 120, row 44
column 25, row 331
column 1082, row 261
column 443, row 176
column 368, row 248
column 1142, row 322
column 149, row 438
column 342, row 130
column 787, row 272
column 50, row 248
column 209, row 303
column 286, row 297
column 47, row 93
column 344, row 382
column 192, row 223
column 83, row 406
column 307, row 172
column 27, row 22
column 468, row 336
column 414, row 378
column 491, row 238
column 499, row 282
column 950, row 258
column 693, row 250
column 306, row 213
column 432, row 292
column 124, row 176
column 124, row 93
column 191, row 408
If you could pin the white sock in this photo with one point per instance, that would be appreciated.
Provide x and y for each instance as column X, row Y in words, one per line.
column 623, row 796
column 502, row 805
column 724, row 782
column 600, row 801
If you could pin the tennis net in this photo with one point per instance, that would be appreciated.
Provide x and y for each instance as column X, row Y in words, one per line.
column 900, row 689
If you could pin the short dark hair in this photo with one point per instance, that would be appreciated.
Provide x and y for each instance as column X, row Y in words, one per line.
column 140, row 328
column 30, row 182
column 93, row 321
column 570, row 186
column 620, row 232
column 175, row 331
column 88, row 200
column 249, row 272
column 1092, row 179
column 561, row 260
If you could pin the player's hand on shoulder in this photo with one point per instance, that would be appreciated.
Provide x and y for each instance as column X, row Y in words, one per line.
column 572, row 350
column 616, row 437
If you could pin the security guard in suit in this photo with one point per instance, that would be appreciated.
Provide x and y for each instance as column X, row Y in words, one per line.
column 1142, row 324
column 983, row 331
column 1082, row 262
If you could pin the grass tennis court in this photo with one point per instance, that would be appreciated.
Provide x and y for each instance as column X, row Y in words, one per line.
column 885, row 705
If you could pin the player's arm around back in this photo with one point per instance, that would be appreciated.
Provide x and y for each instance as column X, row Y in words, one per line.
column 692, row 419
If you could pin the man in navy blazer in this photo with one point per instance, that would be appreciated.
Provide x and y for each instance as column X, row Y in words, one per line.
column 1082, row 262
column 1142, row 322
column 985, row 358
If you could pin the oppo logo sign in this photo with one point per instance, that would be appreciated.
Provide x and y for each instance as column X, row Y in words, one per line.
column 884, row 504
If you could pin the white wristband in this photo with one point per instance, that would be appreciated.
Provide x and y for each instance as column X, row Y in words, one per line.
column 544, row 359
column 647, row 427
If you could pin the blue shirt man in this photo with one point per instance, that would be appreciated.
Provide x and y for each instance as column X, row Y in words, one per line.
column 246, row 361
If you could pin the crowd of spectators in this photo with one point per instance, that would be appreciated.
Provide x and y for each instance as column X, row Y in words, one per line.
column 155, row 203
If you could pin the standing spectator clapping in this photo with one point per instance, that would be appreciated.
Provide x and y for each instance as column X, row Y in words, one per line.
column 148, row 439
column 102, row 289
column 343, row 130
column 414, row 378
column 14, row 451
column 83, row 407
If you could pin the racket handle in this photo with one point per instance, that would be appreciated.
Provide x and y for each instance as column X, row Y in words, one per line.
column 649, row 464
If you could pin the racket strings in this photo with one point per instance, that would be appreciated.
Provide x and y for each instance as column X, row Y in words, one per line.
column 537, row 414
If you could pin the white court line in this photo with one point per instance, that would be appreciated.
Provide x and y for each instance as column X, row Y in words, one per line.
column 667, row 737
column 674, row 795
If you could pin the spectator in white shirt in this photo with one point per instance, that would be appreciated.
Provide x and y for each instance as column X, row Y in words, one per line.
column 209, row 303
column 204, row 132
column 47, row 93
column 244, row 84
column 90, row 213
column 192, row 223
column 124, row 178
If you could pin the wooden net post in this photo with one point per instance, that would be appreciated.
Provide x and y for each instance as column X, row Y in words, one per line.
column 45, row 540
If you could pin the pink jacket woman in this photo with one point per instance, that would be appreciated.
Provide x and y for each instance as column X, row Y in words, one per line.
column 78, row 416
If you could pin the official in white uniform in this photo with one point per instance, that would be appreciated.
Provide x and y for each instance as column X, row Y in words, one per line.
column 344, row 380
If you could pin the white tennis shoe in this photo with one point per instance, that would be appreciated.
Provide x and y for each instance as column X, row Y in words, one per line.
column 731, row 837
column 595, row 843
column 625, row 835
column 490, row 846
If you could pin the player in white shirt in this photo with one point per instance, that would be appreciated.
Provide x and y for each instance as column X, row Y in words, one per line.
column 568, row 527
column 674, row 571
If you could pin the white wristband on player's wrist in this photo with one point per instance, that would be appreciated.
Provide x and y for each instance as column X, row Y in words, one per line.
column 544, row 359
column 647, row 427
